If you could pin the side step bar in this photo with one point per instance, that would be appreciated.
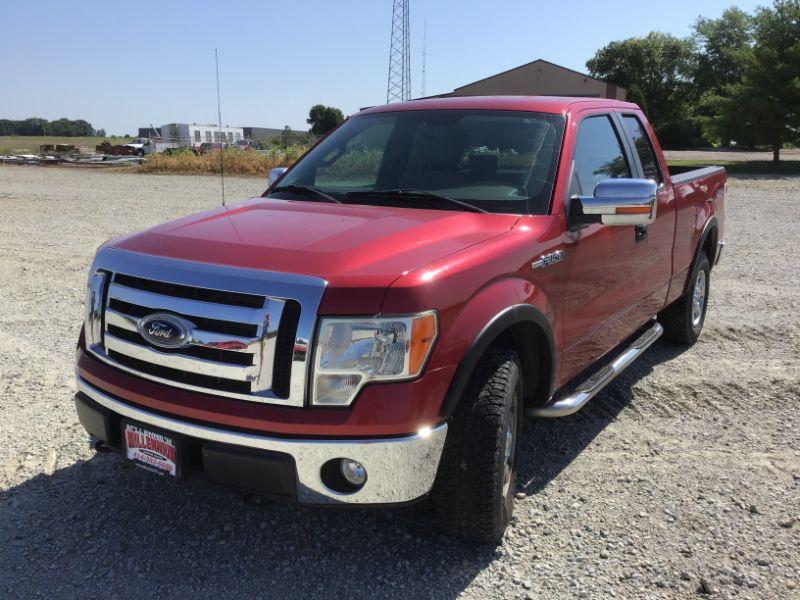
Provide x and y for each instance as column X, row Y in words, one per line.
column 589, row 388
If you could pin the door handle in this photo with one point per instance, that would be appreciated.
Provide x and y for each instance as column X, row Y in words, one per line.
column 641, row 232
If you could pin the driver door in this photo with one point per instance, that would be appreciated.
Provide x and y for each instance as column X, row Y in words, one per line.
column 606, row 271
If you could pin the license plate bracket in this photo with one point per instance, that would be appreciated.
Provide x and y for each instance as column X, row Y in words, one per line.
column 152, row 449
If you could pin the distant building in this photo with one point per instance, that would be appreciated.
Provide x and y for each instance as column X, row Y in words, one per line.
column 540, row 78
column 197, row 134
column 261, row 133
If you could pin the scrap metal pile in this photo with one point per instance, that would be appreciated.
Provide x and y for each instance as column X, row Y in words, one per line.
column 105, row 155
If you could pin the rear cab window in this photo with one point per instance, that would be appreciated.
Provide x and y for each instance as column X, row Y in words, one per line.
column 644, row 148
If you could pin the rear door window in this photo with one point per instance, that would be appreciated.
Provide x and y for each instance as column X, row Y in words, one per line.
column 643, row 147
column 598, row 155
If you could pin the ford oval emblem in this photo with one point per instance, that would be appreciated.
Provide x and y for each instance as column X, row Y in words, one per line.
column 165, row 330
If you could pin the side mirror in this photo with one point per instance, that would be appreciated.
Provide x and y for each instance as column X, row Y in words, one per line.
column 274, row 174
column 616, row 202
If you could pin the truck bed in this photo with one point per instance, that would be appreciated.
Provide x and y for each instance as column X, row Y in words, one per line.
column 681, row 174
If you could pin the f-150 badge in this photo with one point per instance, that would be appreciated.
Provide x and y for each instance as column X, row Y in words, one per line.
column 545, row 260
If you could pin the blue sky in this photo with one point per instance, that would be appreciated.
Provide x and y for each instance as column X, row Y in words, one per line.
column 121, row 65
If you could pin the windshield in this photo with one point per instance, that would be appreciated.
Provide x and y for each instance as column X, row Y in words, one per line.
column 500, row 161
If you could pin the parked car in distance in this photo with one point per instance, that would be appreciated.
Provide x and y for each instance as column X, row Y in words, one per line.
column 373, row 329
column 206, row 147
column 248, row 145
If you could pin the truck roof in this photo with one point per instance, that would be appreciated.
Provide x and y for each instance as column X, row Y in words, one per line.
column 545, row 104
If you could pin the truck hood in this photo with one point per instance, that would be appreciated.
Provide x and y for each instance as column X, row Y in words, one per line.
column 358, row 249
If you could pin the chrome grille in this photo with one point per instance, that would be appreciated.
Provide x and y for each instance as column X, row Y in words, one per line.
column 250, row 329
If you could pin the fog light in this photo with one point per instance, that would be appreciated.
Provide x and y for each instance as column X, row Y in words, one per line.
column 353, row 471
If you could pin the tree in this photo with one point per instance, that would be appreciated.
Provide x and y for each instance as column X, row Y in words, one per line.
column 769, row 93
column 286, row 136
column 38, row 126
column 723, row 49
column 323, row 118
column 656, row 71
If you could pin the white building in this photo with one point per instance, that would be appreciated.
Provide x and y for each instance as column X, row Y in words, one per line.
column 195, row 134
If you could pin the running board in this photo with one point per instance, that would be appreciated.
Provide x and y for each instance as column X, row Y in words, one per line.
column 589, row 388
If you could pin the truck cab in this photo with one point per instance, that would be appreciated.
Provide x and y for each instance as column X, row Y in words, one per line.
column 376, row 326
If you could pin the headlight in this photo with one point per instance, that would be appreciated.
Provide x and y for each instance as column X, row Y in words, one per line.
column 353, row 352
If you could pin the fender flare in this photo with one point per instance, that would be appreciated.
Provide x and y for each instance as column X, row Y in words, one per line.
column 709, row 228
column 518, row 313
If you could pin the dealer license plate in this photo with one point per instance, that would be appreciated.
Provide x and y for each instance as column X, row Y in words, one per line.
column 151, row 450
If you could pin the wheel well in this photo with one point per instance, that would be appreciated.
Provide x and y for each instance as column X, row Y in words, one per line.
column 710, row 246
column 529, row 341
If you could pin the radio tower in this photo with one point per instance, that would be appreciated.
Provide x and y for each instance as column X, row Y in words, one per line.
column 399, row 86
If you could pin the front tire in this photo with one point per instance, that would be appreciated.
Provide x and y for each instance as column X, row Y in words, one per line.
column 683, row 320
column 473, row 495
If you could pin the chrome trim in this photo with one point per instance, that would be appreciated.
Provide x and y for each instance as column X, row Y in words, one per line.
column 275, row 288
column 198, row 337
column 545, row 260
column 190, row 308
column 181, row 362
column 589, row 388
column 613, row 194
column 94, row 307
column 398, row 469
column 269, row 335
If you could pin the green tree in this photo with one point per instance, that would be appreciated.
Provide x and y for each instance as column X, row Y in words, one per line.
column 723, row 49
column 655, row 69
column 769, row 94
column 323, row 118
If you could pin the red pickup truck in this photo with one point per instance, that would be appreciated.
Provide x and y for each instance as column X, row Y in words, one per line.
column 374, row 327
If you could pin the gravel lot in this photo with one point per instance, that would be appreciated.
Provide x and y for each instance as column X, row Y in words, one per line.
column 682, row 478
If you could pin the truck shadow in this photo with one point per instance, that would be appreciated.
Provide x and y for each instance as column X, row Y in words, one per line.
column 102, row 527
column 550, row 445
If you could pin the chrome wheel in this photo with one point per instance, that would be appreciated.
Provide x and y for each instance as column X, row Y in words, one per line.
column 510, row 441
column 698, row 298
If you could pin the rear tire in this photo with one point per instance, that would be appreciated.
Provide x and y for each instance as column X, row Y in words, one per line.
column 683, row 320
column 473, row 495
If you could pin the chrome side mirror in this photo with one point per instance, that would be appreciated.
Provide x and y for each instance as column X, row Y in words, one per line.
column 616, row 202
column 274, row 174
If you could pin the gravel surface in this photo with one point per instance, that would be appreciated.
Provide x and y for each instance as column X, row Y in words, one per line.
column 680, row 479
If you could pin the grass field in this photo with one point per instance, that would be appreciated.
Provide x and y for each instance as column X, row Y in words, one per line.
column 29, row 144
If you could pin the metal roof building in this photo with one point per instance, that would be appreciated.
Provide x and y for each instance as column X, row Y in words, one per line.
column 541, row 78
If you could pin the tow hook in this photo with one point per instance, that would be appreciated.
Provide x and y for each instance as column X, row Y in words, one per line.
column 98, row 445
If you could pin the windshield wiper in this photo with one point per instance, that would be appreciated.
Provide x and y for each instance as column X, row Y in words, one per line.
column 297, row 188
column 409, row 193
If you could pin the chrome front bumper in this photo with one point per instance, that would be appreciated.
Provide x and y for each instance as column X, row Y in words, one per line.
column 398, row 469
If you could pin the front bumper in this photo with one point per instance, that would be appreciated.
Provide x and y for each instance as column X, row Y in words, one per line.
column 398, row 469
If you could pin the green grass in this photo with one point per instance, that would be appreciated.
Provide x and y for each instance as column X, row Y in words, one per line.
column 29, row 144
column 749, row 167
